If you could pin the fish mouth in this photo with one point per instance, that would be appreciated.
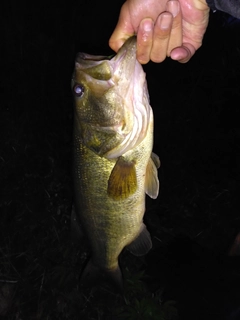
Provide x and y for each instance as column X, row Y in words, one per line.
column 129, row 45
column 85, row 56
column 125, row 59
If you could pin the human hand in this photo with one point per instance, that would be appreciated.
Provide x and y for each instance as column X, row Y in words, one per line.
column 157, row 24
column 163, row 29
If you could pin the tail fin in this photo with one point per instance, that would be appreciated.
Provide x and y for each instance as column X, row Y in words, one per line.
column 94, row 276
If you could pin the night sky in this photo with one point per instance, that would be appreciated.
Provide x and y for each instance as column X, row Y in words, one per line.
column 193, row 223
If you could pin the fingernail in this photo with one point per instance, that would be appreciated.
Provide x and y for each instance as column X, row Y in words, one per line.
column 173, row 7
column 165, row 21
column 147, row 24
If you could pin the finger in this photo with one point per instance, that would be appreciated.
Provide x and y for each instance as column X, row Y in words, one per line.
column 144, row 40
column 175, row 40
column 123, row 29
column 184, row 53
column 161, row 33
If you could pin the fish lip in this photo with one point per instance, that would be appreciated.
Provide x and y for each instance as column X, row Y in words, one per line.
column 125, row 59
column 128, row 47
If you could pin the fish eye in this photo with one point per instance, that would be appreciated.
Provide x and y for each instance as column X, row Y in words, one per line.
column 78, row 89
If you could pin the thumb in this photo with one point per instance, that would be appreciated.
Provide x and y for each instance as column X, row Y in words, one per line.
column 123, row 30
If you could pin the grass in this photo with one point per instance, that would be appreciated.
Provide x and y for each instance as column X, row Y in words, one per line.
column 193, row 223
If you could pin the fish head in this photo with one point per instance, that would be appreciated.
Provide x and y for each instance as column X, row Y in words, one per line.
column 112, row 107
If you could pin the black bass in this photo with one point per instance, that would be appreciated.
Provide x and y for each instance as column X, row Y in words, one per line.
column 113, row 161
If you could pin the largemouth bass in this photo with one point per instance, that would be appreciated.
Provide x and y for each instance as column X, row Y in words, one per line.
column 114, row 166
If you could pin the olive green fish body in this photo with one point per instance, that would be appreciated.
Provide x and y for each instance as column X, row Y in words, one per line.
column 113, row 162
column 110, row 224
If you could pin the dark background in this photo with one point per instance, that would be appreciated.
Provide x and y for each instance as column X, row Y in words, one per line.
column 188, row 274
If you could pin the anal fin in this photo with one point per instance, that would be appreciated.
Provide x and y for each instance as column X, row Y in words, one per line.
column 142, row 244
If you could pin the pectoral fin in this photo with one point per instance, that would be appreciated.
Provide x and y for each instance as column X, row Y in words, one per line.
column 142, row 244
column 151, row 180
column 156, row 160
column 123, row 180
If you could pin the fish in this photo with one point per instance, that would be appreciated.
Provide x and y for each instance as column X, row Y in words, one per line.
column 113, row 163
